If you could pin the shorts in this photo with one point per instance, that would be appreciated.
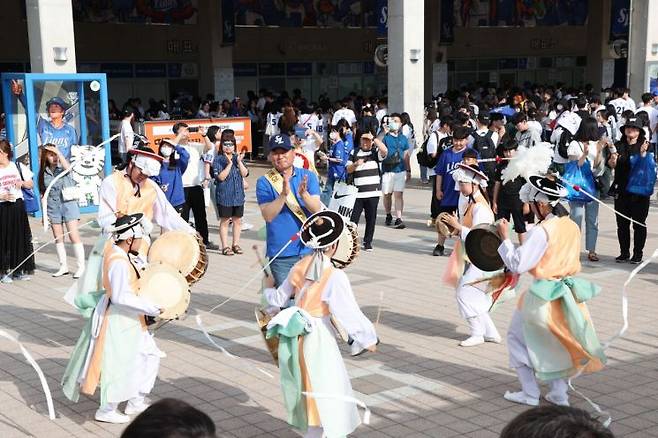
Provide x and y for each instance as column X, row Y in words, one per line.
column 447, row 209
column 63, row 212
column 230, row 211
column 393, row 182
column 516, row 212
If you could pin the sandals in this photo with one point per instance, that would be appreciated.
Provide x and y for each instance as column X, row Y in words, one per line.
column 237, row 249
column 227, row 251
column 592, row 257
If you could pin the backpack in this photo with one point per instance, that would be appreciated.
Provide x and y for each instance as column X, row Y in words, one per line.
column 486, row 148
column 562, row 144
column 423, row 157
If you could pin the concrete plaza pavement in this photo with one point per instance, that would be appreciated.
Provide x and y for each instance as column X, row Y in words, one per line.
column 420, row 383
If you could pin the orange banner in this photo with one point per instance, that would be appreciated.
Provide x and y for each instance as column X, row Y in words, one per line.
column 157, row 130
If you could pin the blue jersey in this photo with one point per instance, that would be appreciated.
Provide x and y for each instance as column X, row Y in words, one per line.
column 446, row 165
column 63, row 137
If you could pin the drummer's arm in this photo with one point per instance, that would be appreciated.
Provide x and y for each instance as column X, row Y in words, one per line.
column 525, row 257
column 280, row 296
column 122, row 293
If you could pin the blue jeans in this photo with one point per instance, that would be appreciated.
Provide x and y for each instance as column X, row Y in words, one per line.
column 591, row 213
column 280, row 268
column 325, row 197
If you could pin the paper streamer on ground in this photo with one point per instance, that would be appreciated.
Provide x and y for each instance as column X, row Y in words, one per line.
column 224, row 350
column 620, row 333
column 35, row 365
column 366, row 413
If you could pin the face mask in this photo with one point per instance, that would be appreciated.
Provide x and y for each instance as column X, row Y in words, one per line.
column 228, row 149
column 393, row 126
column 334, row 135
column 166, row 151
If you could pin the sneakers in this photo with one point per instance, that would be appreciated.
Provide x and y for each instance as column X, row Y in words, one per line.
column 493, row 340
column 367, row 247
column 22, row 277
column 136, row 408
column 111, row 417
column 623, row 258
column 6, row 279
column 556, row 401
column 439, row 250
column 245, row 226
column 356, row 349
column 637, row 259
column 521, row 398
column 472, row 341
column 211, row 246
column 399, row 224
column 389, row 220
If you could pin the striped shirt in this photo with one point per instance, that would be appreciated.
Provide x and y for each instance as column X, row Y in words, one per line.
column 366, row 176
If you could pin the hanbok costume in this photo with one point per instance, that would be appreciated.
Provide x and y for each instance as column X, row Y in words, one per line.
column 474, row 303
column 115, row 350
column 316, row 387
column 551, row 336
column 119, row 196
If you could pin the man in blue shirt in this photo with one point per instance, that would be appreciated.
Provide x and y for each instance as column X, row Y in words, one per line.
column 446, row 192
column 283, row 213
column 396, row 169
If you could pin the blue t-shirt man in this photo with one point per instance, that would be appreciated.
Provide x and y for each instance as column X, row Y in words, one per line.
column 63, row 137
column 395, row 144
column 447, row 163
column 285, row 224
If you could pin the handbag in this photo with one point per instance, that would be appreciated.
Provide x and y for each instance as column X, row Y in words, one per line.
column 30, row 202
column 643, row 175
column 71, row 193
column 579, row 176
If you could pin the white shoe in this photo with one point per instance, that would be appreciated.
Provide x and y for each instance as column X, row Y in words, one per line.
column 79, row 272
column 245, row 226
column 496, row 340
column 521, row 398
column 63, row 270
column 556, row 401
column 472, row 341
column 136, row 408
column 6, row 279
column 111, row 417
column 356, row 349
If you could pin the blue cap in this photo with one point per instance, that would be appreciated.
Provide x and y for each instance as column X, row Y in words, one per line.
column 57, row 101
column 280, row 141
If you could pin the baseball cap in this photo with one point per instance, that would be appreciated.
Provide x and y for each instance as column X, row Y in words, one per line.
column 280, row 141
column 57, row 101
column 484, row 117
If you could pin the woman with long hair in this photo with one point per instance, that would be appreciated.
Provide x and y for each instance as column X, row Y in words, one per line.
column 15, row 233
column 586, row 149
column 62, row 207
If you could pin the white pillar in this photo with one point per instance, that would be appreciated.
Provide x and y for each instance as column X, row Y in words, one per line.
column 51, row 36
column 406, row 66
column 643, row 45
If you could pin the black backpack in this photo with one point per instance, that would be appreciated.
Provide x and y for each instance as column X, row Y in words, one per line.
column 486, row 148
column 562, row 145
column 424, row 158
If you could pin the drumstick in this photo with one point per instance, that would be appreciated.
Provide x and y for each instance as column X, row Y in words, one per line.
column 261, row 262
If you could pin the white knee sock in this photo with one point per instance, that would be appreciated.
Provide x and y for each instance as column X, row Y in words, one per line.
column 79, row 250
column 61, row 256
column 528, row 381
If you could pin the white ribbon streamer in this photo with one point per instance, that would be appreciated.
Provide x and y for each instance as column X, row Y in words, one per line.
column 620, row 333
column 224, row 350
column 35, row 365
column 346, row 399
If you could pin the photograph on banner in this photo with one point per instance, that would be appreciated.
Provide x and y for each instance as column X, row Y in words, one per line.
column 136, row 11
column 157, row 130
column 62, row 120
column 501, row 13
column 303, row 13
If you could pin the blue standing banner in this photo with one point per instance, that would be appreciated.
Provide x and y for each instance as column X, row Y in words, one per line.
column 382, row 18
column 228, row 23
column 619, row 19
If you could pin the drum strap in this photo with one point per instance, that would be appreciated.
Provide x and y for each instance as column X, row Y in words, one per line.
column 276, row 180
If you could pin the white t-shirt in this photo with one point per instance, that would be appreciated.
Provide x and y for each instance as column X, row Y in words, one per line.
column 309, row 121
column 344, row 113
column 622, row 105
column 272, row 127
column 127, row 133
column 653, row 120
column 380, row 114
column 195, row 172
column 575, row 150
column 9, row 176
column 433, row 146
